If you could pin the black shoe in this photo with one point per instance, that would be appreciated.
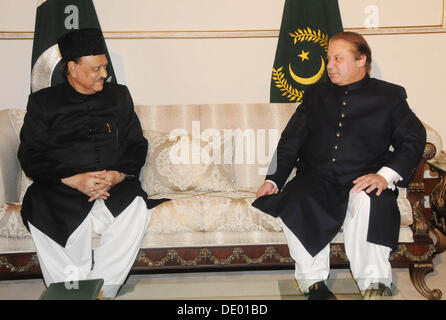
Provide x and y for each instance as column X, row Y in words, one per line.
column 377, row 290
column 319, row 291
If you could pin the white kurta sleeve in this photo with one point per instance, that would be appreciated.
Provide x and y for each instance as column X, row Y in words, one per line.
column 391, row 176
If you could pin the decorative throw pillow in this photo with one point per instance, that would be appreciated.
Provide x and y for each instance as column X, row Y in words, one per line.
column 182, row 162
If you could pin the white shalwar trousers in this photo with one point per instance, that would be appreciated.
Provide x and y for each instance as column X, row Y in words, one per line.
column 121, row 239
column 369, row 262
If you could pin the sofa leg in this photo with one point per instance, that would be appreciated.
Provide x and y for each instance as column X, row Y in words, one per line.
column 418, row 272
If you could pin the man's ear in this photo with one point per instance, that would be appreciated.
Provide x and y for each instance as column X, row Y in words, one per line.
column 362, row 60
column 72, row 68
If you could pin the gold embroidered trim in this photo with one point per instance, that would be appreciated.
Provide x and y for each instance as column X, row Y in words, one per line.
column 312, row 36
column 287, row 89
column 206, row 254
column 32, row 263
column 404, row 252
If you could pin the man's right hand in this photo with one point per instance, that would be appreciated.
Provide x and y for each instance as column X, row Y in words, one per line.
column 91, row 184
column 266, row 189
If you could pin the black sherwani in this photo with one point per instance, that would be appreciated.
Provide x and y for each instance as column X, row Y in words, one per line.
column 66, row 133
column 336, row 135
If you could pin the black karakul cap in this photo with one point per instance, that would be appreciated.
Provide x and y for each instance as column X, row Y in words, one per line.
column 80, row 43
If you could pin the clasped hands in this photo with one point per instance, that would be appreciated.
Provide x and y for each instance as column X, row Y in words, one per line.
column 368, row 182
column 95, row 184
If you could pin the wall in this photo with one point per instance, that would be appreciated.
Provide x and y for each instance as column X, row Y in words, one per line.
column 211, row 51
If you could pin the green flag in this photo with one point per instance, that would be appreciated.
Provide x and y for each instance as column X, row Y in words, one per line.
column 53, row 19
column 307, row 26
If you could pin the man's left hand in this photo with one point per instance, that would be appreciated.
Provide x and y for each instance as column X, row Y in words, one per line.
column 370, row 182
column 112, row 177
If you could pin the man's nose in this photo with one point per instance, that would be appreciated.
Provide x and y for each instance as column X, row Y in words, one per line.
column 329, row 64
column 104, row 73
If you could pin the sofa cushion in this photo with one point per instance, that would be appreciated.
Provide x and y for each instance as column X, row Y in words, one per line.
column 225, row 211
column 210, row 212
column 182, row 162
column 190, row 219
column 11, row 223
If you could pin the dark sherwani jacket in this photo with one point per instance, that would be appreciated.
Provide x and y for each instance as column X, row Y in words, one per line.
column 336, row 135
column 66, row 133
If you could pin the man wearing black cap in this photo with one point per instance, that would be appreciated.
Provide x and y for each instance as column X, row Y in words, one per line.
column 82, row 144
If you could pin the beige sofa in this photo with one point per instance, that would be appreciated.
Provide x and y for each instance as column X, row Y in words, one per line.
column 210, row 160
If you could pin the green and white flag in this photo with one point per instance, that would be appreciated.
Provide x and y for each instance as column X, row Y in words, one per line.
column 53, row 19
column 306, row 28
